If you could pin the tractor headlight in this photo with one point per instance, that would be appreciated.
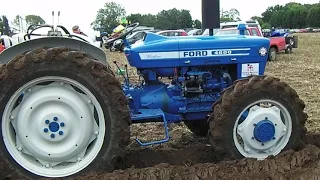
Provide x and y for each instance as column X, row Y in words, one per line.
column 263, row 51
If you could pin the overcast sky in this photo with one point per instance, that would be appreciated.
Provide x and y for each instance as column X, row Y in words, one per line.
column 82, row 12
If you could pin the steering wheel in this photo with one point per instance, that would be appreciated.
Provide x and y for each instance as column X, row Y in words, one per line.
column 125, row 32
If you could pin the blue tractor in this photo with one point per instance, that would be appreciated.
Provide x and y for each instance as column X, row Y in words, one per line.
column 64, row 112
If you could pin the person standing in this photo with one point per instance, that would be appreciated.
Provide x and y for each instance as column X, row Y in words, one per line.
column 77, row 30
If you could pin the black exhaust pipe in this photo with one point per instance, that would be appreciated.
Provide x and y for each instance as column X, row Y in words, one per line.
column 210, row 15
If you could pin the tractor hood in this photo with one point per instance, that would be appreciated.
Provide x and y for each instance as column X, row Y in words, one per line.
column 162, row 51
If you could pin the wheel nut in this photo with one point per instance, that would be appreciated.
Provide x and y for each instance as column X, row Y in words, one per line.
column 45, row 130
column 62, row 124
column 47, row 121
column 52, row 135
column 55, row 118
column 60, row 132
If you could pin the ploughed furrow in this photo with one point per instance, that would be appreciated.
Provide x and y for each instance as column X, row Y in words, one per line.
column 303, row 164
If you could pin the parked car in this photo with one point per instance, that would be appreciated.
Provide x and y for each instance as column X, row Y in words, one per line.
column 195, row 32
column 206, row 32
column 172, row 33
column 277, row 44
column 234, row 24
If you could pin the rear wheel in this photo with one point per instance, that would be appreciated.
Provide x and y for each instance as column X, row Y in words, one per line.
column 290, row 41
column 255, row 118
column 64, row 114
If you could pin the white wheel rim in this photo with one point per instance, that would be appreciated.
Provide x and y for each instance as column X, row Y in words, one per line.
column 82, row 130
column 250, row 146
column 273, row 54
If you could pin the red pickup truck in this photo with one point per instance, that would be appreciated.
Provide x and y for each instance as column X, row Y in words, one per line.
column 277, row 44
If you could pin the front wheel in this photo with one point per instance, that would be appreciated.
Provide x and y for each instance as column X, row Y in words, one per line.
column 272, row 54
column 64, row 114
column 122, row 48
column 255, row 118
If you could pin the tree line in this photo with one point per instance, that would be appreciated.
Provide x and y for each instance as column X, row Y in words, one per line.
column 291, row 15
column 5, row 28
column 109, row 17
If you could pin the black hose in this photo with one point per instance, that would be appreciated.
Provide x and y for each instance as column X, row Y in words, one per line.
column 72, row 35
column 64, row 29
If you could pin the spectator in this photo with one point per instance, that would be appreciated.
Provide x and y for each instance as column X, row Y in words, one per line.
column 77, row 30
column 1, row 45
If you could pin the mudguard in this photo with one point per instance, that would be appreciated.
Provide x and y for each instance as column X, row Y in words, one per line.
column 74, row 44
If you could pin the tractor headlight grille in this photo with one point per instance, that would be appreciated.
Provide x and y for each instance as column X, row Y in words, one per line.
column 263, row 51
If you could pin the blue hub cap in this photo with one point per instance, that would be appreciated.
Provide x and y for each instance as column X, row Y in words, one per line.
column 54, row 126
column 264, row 131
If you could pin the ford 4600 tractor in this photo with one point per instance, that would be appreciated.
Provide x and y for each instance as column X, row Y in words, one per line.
column 64, row 112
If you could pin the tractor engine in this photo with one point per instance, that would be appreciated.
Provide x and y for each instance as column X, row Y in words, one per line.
column 203, row 80
column 188, row 95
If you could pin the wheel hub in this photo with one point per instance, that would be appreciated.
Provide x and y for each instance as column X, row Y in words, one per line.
column 264, row 131
column 261, row 130
column 53, row 127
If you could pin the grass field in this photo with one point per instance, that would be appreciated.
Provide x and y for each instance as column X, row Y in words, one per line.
column 301, row 71
column 181, row 157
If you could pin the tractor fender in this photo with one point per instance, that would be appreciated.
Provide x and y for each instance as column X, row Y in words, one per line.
column 74, row 44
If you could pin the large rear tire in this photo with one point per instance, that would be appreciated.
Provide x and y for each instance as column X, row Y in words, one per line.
column 264, row 130
column 64, row 114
